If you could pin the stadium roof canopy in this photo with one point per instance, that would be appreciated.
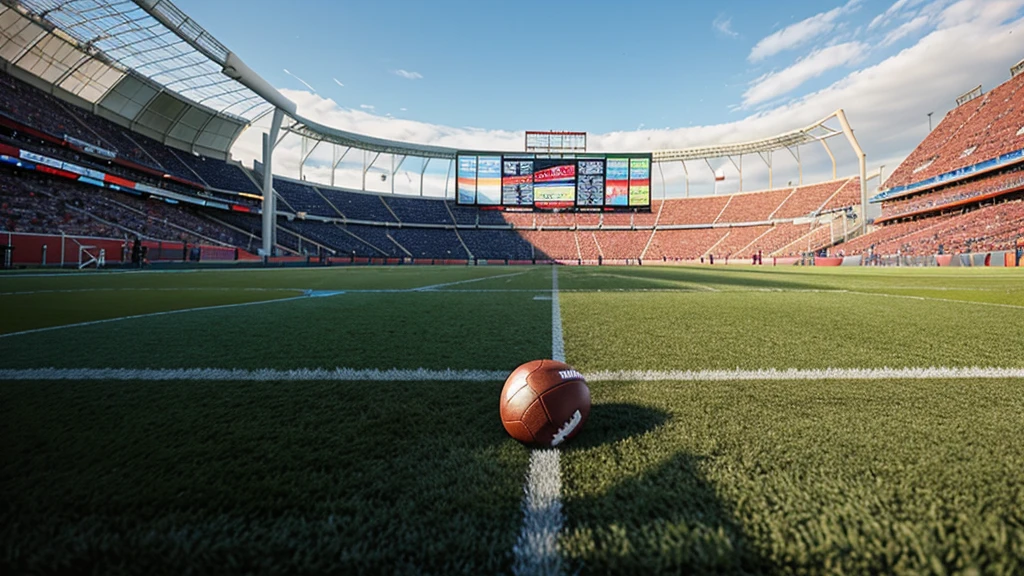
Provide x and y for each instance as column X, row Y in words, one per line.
column 147, row 64
column 142, row 63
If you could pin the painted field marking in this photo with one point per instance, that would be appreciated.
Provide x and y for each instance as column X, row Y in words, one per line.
column 926, row 298
column 149, row 315
column 183, row 289
column 436, row 286
column 470, row 375
column 536, row 549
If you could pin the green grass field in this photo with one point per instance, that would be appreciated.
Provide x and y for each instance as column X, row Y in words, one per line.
column 157, row 472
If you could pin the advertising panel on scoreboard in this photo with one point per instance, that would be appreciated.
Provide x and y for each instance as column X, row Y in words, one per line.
column 590, row 182
column 517, row 182
column 554, row 183
column 617, row 182
column 488, row 180
column 639, row 182
column 466, row 180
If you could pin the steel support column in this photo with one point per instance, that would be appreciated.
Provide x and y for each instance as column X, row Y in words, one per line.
column 423, row 172
column 269, row 202
column 830, row 155
column 862, row 158
column 686, row 177
column 337, row 159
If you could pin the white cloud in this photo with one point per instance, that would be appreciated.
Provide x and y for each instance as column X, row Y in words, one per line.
column 338, row 82
column 402, row 109
column 905, row 29
column 304, row 83
column 367, row 106
column 409, row 75
column 886, row 104
column 892, row 12
column 724, row 26
column 775, row 84
column 800, row 33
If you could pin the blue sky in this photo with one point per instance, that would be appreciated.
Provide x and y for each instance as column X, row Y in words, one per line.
column 596, row 65
column 635, row 75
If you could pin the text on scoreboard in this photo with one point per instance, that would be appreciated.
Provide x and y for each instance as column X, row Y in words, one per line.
column 616, row 181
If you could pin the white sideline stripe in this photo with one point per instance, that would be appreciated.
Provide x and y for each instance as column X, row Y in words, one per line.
column 258, row 375
column 449, row 375
column 188, row 289
column 925, row 298
column 557, row 343
column 151, row 314
column 949, row 373
column 436, row 286
column 536, row 549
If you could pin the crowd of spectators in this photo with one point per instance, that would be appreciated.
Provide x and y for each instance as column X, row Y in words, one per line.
column 954, row 194
column 978, row 130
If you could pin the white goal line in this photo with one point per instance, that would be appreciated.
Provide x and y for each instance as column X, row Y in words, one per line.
column 450, row 375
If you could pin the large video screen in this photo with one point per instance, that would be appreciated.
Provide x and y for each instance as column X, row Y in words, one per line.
column 517, row 183
column 617, row 189
column 639, row 182
column 466, row 180
column 590, row 183
column 581, row 181
column 488, row 180
column 554, row 183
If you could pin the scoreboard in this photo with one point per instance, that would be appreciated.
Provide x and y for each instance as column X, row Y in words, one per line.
column 576, row 181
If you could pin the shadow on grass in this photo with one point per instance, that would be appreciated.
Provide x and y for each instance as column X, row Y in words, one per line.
column 610, row 423
column 666, row 518
column 721, row 276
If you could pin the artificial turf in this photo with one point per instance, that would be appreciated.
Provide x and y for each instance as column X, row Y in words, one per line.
column 804, row 477
column 854, row 477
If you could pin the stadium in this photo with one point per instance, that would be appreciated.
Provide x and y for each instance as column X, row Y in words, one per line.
column 293, row 364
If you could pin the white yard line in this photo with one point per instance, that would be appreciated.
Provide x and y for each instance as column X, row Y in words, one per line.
column 536, row 549
column 151, row 314
column 938, row 372
column 436, row 286
column 257, row 375
column 183, row 289
column 470, row 375
column 951, row 300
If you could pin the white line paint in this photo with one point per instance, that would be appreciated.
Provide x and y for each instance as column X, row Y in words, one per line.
column 557, row 343
column 927, row 298
column 436, row 286
column 954, row 373
column 151, row 314
column 183, row 289
column 257, row 375
column 536, row 549
column 449, row 375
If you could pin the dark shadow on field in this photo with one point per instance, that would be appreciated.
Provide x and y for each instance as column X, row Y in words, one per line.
column 297, row 477
column 750, row 278
column 667, row 520
column 609, row 423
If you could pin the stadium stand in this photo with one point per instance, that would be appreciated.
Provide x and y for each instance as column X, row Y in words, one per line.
column 699, row 210
column 753, row 206
column 975, row 131
column 419, row 210
column 498, row 245
column 218, row 174
column 813, row 198
column 43, row 204
column 955, row 195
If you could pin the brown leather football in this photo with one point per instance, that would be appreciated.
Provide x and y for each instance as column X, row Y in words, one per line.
column 544, row 403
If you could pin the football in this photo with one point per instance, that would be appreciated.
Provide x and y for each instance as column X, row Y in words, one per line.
column 544, row 403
